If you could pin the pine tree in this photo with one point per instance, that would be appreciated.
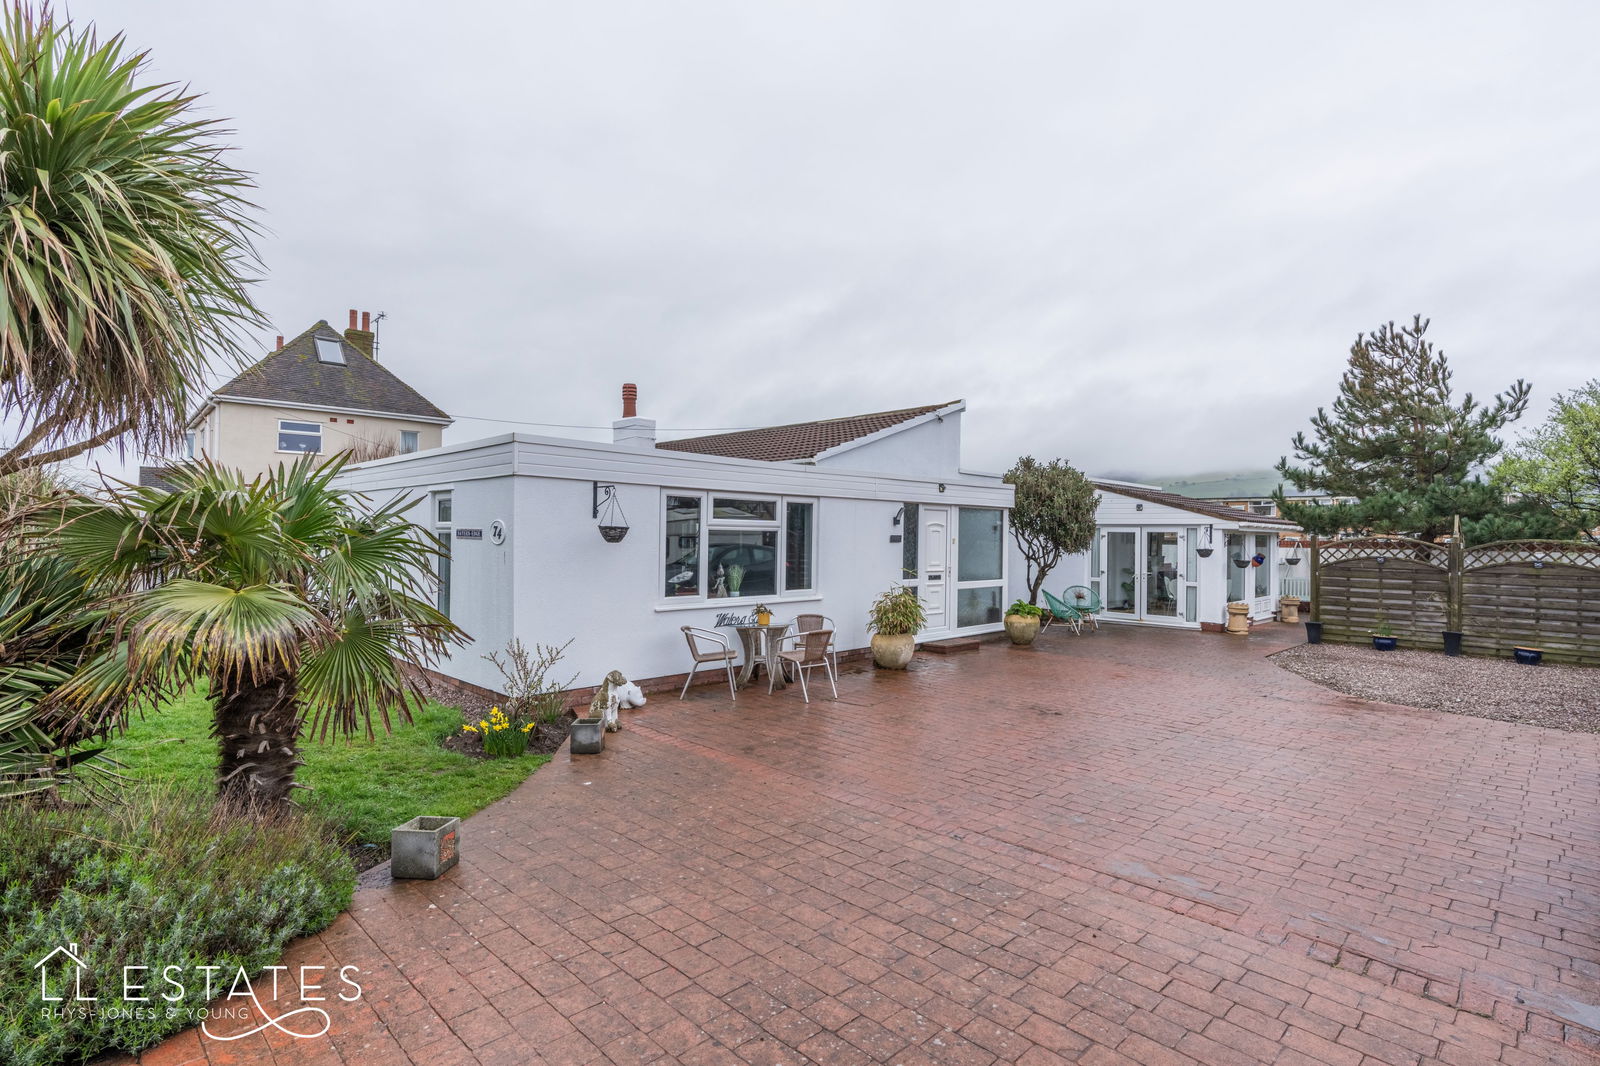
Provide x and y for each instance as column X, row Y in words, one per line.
column 1399, row 442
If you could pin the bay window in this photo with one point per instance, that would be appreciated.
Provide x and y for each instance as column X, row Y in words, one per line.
column 723, row 547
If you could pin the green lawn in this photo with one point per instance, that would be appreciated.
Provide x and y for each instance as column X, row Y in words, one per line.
column 368, row 786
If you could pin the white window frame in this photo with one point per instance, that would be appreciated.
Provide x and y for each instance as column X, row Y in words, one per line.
column 778, row 524
column 301, row 432
column 416, row 441
column 444, row 585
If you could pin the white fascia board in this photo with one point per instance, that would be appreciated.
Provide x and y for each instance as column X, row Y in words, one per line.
column 287, row 405
column 889, row 431
column 529, row 455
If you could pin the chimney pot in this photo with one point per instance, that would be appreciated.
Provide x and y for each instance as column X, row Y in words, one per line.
column 630, row 400
column 279, row 348
column 366, row 320
column 352, row 318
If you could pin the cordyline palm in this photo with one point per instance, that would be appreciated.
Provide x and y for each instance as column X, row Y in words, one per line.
column 124, row 244
column 301, row 610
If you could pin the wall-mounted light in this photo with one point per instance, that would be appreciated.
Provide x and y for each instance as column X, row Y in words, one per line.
column 1138, row 507
column 613, row 524
column 899, row 514
column 941, row 486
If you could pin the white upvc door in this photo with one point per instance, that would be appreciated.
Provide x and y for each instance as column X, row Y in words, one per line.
column 1263, row 596
column 935, row 586
column 1144, row 575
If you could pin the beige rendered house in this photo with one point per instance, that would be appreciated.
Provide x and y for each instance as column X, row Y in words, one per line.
column 322, row 393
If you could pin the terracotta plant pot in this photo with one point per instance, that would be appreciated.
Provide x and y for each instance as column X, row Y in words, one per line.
column 1022, row 628
column 893, row 651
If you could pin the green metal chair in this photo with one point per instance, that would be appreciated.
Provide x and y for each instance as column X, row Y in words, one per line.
column 1064, row 612
column 1087, row 601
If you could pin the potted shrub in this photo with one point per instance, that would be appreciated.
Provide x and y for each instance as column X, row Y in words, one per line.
column 763, row 615
column 894, row 620
column 1023, row 620
column 1383, row 637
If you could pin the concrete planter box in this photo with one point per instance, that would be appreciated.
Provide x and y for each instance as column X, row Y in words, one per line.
column 424, row 847
column 588, row 736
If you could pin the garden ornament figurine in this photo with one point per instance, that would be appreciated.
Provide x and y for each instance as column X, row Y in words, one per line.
column 615, row 692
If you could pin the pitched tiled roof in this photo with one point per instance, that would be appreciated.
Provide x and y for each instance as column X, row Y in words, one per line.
column 1194, row 506
column 799, row 440
column 294, row 375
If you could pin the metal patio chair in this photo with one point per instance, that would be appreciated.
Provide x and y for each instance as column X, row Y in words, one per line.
column 812, row 653
column 706, row 646
column 805, row 623
column 1087, row 602
column 1064, row 612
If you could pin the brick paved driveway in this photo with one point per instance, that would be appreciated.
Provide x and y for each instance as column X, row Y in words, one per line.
column 1131, row 847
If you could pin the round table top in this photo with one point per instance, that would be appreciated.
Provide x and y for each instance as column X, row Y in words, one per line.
column 770, row 626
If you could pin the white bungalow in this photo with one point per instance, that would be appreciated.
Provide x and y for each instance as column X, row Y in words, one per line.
column 814, row 517
column 1163, row 559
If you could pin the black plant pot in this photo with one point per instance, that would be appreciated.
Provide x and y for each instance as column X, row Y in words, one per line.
column 1386, row 643
column 1313, row 632
column 1527, row 656
column 1452, row 643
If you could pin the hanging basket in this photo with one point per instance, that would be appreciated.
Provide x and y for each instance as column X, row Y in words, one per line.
column 1293, row 560
column 613, row 523
column 1204, row 553
column 1241, row 563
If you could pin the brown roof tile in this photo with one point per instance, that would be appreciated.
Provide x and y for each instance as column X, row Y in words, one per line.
column 1193, row 506
column 798, row 440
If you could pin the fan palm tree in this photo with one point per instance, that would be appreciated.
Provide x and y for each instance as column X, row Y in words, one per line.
column 300, row 609
column 125, row 244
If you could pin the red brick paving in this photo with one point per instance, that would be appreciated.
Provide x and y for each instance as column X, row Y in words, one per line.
column 1136, row 846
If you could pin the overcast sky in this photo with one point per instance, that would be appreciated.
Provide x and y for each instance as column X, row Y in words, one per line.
column 1138, row 236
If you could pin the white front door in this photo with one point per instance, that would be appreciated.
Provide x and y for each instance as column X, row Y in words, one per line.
column 1144, row 576
column 935, row 584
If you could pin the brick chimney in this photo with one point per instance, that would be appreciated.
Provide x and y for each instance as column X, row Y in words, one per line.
column 630, row 429
column 360, row 337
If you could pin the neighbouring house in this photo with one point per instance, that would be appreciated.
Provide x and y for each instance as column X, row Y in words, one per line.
column 322, row 393
column 1267, row 507
column 1164, row 559
column 817, row 517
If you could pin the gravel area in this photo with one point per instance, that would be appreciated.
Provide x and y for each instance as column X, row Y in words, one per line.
column 1557, row 697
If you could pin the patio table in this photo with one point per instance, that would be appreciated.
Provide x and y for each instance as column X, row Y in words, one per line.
column 761, row 648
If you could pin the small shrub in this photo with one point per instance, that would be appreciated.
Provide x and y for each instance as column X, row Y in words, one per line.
column 897, row 612
column 1025, row 609
column 501, row 736
column 531, row 696
column 159, row 880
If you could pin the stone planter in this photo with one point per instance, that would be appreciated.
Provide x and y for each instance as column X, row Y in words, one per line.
column 424, row 847
column 588, row 736
column 1239, row 619
column 893, row 651
column 1022, row 628
column 1289, row 608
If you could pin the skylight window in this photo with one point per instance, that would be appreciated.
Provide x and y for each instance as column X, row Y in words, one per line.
column 329, row 350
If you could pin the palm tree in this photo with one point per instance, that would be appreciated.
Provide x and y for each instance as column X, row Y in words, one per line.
column 125, row 244
column 303, row 612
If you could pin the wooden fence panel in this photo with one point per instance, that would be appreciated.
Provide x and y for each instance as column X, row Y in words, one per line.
column 1555, row 608
column 1360, row 595
column 1541, row 594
